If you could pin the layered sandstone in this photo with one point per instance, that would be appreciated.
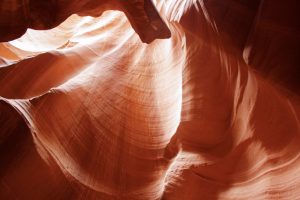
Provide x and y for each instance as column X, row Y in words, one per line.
column 89, row 110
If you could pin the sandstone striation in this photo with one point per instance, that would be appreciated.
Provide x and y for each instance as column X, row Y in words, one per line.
column 110, row 100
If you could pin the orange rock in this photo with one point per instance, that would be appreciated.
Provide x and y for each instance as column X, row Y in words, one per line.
column 88, row 111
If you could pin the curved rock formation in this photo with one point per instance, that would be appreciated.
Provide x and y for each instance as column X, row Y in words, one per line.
column 16, row 16
column 88, row 111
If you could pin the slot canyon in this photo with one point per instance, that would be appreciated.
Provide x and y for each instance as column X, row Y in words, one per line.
column 149, row 99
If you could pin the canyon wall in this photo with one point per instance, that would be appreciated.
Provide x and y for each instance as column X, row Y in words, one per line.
column 92, row 107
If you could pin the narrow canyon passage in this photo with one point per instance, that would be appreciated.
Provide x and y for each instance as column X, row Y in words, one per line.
column 110, row 100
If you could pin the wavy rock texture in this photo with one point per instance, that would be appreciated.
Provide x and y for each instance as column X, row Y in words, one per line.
column 18, row 15
column 88, row 111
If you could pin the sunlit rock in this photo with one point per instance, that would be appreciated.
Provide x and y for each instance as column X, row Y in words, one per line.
column 118, row 102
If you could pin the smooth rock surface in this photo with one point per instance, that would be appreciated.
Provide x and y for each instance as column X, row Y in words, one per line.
column 89, row 111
